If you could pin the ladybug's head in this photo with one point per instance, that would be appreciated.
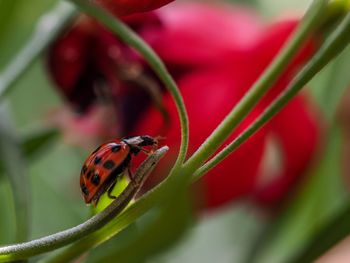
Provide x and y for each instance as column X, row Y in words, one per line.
column 148, row 141
column 141, row 141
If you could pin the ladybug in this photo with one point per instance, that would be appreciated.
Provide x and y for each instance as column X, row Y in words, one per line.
column 108, row 162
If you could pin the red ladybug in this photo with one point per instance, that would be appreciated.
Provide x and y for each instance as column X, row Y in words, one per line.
column 106, row 164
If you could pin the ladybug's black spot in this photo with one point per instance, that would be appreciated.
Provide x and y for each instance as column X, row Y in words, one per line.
column 84, row 189
column 109, row 164
column 95, row 179
column 88, row 175
column 97, row 160
column 84, row 169
column 116, row 148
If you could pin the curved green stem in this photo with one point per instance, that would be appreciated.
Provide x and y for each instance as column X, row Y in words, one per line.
column 46, row 30
column 48, row 243
column 338, row 40
column 311, row 20
column 146, row 202
column 173, row 181
column 132, row 39
column 162, row 192
column 136, row 210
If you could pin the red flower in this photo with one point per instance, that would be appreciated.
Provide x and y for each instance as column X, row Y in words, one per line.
column 209, row 95
column 127, row 7
column 214, row 64
column 221, row 65
column 89, row 64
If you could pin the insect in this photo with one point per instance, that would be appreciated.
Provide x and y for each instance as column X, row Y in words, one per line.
column 107, row 163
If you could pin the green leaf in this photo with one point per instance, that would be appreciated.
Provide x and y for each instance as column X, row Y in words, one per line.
column 7, row 220
column 336, row 229
column 7, row 9
column 47, row 28
column 19, row 21
column 16, row 170
column 37, row 142
column 224, row 236
column 32, row 145
column 157, row 231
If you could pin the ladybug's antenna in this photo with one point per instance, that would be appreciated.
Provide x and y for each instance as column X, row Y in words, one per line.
column 160, row 138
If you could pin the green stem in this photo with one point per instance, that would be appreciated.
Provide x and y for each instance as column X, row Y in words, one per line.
column 160, row 194
column 46, row 31
column 311, row 20
column 48, row 243
column 336, row 42
column 130, row 215
column 172, row 182
column 134, row 212
column 132, row 39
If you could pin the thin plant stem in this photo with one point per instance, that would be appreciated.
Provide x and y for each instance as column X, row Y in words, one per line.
column 310, row 22
column 168, row 188
column 47, row 28
column 134, row 212
column 48, row 243
column 332, row 47
column 133, row 40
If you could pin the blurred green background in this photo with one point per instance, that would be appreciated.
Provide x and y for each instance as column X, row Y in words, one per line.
column 231, row 235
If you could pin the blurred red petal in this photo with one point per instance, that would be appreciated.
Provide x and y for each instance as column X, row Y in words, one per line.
column 297, row 130
column 196, row 34
column 215, row 63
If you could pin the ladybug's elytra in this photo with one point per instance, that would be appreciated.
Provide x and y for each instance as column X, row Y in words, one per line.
column 106, row 164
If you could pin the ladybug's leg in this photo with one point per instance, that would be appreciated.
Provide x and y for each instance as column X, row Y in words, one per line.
column 110, row 189
column 95, row 202
column 147, row 152
column 130, row 174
